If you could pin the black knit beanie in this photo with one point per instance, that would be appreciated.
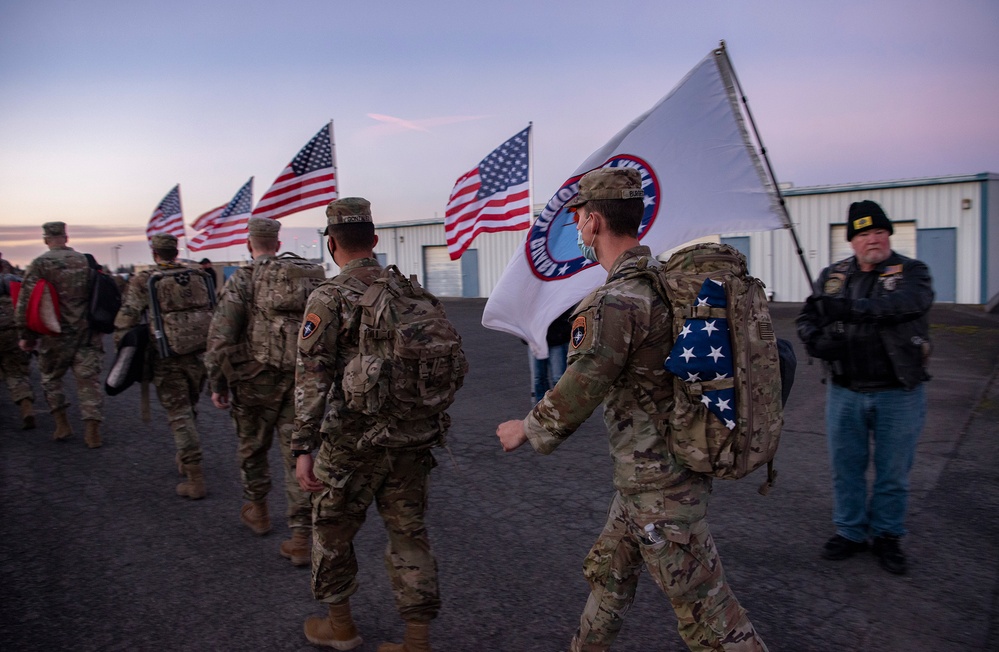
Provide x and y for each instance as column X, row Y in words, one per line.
column 866, row 215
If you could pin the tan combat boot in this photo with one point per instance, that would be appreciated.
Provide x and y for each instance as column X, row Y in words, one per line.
column 27, row 414
column 194, row 487
column 92, row 433
column 254, row 516
column 417, row 639
column 298, row 548
column 63, row 428
column 337, row 631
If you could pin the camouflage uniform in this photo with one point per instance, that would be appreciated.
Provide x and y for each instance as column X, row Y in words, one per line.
column 178, row 379
column 15, row 364
column 395, row 479
column 263, row 398
column 76, row 346
column 621, row 334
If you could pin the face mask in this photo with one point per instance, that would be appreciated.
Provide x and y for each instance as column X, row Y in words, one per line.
column 589, row 253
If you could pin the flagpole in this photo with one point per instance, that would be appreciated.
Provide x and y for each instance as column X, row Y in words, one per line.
column 336, row 171
column 766, row 159
column 530, row 169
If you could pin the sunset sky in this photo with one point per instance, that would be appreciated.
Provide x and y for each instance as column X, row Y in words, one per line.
column 104, row 106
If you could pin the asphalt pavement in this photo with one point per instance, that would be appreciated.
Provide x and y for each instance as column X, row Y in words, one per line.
column 98, row 553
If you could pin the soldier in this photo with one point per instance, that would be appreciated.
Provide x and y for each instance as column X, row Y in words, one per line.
column 15, row 364
column 347, row 478
column 178, row 378
column 263, row 387
column 621, row 335
column 76, row 346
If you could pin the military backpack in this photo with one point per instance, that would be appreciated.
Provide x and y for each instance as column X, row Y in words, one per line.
column 409, row 364
column 728, row 414
column 725, row 366
column 181, row 300
column 281, row 287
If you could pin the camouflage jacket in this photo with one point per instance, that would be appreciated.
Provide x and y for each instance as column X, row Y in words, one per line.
column 621, row 335
column 329, row 338
column 228, row 355
column 68, row 272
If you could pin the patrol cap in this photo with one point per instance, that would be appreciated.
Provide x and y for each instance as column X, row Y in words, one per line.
column 866, row 215
column 54, row 228
column 607, row 183
column 163, row 241
column 349, row 210
column 264, row 227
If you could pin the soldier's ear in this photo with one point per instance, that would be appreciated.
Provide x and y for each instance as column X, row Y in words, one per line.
column 374, row 242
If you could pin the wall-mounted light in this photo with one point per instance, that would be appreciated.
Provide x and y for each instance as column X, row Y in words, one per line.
column 402, row 238
column 965, row 204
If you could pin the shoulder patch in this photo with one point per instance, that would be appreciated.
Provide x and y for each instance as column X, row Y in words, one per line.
column 310, row 324
column 578, row 331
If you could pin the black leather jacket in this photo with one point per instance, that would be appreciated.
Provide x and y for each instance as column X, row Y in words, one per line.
column 883, row 342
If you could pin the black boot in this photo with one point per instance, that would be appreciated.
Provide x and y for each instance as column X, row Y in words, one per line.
column 890, row 554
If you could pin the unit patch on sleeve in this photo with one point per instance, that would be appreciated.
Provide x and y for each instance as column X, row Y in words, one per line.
column 578, row 331
column 309, row 326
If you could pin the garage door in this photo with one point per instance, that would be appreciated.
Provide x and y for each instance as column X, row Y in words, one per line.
column 443, row 274
column 903, row 240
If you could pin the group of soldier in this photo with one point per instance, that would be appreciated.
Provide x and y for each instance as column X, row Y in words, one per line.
column 620, row 332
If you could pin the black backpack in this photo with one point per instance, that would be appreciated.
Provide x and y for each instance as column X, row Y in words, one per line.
column 129, row 364
column 105, row 300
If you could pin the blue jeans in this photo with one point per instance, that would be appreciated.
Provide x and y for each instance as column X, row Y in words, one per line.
column 545, row 373
column 894, row 420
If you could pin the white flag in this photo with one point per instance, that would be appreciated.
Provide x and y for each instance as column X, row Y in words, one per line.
column 701, row 176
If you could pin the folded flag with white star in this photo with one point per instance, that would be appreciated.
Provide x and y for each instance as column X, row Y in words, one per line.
column 703, row 353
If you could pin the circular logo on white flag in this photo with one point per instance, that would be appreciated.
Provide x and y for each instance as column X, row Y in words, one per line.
column 552, row 251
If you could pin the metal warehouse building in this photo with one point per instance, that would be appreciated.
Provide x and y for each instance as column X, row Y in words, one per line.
column 947, row 222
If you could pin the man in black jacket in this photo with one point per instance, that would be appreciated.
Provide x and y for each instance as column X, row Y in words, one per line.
column 867, row 319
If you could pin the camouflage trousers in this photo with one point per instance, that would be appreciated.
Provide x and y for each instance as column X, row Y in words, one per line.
column 83, row 353
column 685, row 566
column 15, row 367
column 259, row 406
column 398, row 483
column 178, row 381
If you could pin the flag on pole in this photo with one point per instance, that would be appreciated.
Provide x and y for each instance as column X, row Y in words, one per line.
column 168, row 217
column 308, row 181
column 229, row 227
column 205, row 219
column 493, row 196
column 701, row 176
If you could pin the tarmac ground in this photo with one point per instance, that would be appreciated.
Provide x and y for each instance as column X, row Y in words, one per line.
column 98, row 553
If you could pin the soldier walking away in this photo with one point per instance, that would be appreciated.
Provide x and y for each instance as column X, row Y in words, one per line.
column 15, row 364
column 349, row 470
column 621, row 335
column 176, row 302
column 252, row 348
column 75, row 347
column 867, row 320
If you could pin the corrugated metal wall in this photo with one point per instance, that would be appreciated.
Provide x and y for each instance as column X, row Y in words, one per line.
column 403, row 246
column 963, row 203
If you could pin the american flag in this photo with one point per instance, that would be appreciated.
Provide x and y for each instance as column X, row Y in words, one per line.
column 495, row 195
column 168, row 217
column 703, row 352
column 205, row 219
column 308, row 181
column 229, row 227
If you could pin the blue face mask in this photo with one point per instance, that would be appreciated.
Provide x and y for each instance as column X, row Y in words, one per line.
column 589, row 253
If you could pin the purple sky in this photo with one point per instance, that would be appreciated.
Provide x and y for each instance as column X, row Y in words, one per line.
column 104, row 106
